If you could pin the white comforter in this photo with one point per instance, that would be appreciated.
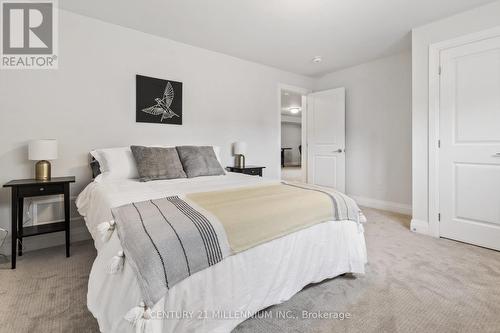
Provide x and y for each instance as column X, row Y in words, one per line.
column 218, row 298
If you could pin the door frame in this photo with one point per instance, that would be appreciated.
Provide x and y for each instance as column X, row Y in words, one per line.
column 434, row 113
column 304, row 92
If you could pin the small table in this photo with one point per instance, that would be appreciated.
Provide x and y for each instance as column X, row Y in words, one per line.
column 25, row 188
column 283, row 156
column 248, row 170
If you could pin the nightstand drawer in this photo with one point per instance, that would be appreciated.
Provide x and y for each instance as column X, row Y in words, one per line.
column 252, row 172
column 36, row 190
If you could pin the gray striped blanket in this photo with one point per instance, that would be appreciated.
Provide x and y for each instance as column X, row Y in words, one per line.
column 166, row 240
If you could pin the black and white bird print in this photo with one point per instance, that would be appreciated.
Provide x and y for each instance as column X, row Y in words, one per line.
column 163, row 104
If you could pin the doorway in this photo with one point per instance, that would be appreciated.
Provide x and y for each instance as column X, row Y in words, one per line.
column 292, row 121
column 312, row 127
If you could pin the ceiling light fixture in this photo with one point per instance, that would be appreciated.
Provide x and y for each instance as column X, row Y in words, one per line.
column 317, row 59
column 294, row 110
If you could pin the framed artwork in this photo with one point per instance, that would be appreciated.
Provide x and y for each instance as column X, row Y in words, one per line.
column 158, row 101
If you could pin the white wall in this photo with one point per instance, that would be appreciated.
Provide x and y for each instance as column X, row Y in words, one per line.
column 291, row 137
column 89, row 102
column 378, row 130
column 475, row 20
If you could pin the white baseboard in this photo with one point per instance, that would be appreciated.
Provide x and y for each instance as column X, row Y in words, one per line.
column 78, row 232
column 419, row 226
column 383, row 205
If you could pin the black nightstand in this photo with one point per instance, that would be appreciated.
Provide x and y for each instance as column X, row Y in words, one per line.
column 248, row 170
column 25, row 188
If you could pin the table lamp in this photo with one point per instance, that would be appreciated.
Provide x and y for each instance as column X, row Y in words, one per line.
column 240, row 151
column 42, row 151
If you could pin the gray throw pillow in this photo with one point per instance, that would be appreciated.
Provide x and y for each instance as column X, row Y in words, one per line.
column 155, row 163
column 199, row 161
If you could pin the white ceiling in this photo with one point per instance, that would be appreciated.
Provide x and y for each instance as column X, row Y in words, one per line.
column 284, row 34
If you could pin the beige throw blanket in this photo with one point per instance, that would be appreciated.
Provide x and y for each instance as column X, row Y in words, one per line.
column 255, row 215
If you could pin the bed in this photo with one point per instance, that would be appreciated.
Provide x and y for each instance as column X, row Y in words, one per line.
column 221, row 296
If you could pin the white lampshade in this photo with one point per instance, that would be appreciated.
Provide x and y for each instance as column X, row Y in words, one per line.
column 42, row 150
column 240, row 148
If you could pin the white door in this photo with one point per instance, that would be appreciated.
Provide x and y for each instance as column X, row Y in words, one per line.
column 469, row 157
column 326, row 138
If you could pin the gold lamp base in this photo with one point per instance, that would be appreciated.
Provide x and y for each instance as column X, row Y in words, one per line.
column 42, row 170
column 240, row 161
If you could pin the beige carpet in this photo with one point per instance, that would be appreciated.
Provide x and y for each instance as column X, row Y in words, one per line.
column 291, row 173
column 413, row 283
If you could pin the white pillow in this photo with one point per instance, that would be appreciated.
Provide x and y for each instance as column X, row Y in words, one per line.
column 119, row 163
column 116, row 163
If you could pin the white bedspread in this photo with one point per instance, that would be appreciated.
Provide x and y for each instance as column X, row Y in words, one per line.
column 216, row 299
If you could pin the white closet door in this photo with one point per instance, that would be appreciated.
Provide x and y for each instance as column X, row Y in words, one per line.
column 469, row 175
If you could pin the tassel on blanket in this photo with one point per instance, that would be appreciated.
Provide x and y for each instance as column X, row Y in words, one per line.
column 361, row 219
column 106, row 230
column 116, row 264
column 139, row 317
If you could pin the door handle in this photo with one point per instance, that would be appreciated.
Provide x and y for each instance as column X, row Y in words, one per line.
column 337, row 151
column 496, row 155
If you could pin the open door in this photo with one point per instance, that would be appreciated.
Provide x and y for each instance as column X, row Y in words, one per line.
column 326, row 138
